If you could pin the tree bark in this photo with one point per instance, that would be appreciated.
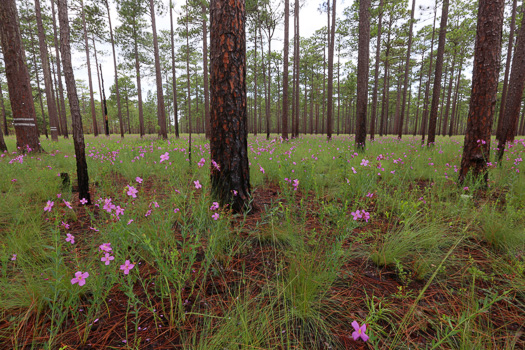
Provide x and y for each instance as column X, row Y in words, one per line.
column 296, row 67
column 362, row 73
column 205, row 72
column 507, row 70
column 161, row 110
column 407, row 69
column 48, row 82
column 438, row 75
column 516, row 85
column 61, row 100
column 376, row 73
column 285, row 68
column 228, row 144
column 78, row 132
column 487, row 54
column 188, row 101
column 18, row 81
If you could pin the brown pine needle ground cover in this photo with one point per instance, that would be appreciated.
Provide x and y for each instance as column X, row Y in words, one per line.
column 433, row 266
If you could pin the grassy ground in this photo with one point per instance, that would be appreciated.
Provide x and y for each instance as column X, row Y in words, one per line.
column 425, row 263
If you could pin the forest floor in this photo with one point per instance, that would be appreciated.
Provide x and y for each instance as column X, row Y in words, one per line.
column 385, row 237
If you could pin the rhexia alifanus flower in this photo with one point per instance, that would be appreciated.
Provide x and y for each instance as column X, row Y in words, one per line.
column 107, row 258
column 359, row 331
column 80, row 278
column 70, row 238
column 49, row 206
column 127, row 266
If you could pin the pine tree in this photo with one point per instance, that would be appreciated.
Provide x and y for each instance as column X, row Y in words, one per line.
column 18, row 82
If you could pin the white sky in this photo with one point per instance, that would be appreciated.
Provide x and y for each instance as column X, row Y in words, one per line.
column 310, row 21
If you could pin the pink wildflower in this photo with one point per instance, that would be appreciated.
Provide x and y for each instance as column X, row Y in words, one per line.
column 80, row 278
column 127, row 266
column 49, row 206
column 359, row 331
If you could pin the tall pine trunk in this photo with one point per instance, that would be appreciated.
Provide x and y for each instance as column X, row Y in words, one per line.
column 487, row 53
column 516, row 85
column 362, row 73
column 228, row 144
column 18, row 81
column 78, row 132
column 205, row 71
column 285, row 68
column 161, row 110
column 438, row 75
column 407, row 69
column 48, row 82
column 62, row 109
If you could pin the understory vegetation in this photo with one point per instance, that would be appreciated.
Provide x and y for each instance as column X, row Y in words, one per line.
column 385, row 237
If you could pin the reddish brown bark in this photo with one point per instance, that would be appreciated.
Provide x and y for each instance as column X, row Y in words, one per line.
column 78, row 132
column 18, row 82
column 228, row 143
column 487, row 54
column 515, row 92
column 438, row 75
column 362, row 73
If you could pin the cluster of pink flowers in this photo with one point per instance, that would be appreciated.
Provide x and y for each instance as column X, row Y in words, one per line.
column 215, row 206
column 165, row 156
column 294, row 183
column 132, row 191
column 361, row 214
column 70, row 238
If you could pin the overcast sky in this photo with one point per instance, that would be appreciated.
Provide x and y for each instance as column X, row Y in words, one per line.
column 310, row 21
